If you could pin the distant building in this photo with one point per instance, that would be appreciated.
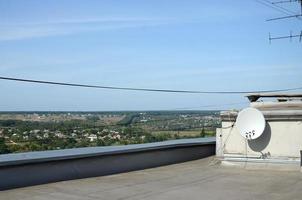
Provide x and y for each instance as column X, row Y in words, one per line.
column 117, row 137
column 59, row 134
column 92, row 137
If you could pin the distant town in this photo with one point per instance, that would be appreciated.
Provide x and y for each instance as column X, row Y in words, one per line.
column 38, row 131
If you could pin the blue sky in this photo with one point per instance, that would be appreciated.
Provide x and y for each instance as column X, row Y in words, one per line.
column 166, row 44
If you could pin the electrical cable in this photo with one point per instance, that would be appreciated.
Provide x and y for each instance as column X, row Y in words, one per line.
column 144, row 89
column 272, row 7
column 278, row 8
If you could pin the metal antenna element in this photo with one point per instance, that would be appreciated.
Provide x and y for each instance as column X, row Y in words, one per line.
column 291, row 15
column 290, row 36
column 285, row 17
column 270, row 38
column 288, row 1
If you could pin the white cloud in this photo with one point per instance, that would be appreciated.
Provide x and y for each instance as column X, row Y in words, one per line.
column 73, row 26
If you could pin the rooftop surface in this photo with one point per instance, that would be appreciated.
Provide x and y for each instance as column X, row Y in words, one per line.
column 200, row 179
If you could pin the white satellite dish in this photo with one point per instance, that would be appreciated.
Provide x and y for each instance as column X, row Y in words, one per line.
column 251, row 123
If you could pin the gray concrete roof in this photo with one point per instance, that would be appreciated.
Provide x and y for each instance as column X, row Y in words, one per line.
column 201, row 179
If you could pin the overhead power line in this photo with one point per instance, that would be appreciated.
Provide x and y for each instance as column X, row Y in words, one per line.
column 273, row 7
column 278, row 8
column 144, row 89
column 289, row 1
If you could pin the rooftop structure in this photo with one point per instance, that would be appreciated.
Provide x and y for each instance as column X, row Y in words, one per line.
column 283, row 101
column 280, row 143
column 255, row 96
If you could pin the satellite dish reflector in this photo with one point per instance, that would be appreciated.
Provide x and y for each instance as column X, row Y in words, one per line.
column 251, row 123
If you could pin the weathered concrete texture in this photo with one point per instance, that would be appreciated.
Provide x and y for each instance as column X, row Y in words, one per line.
column 44, row 167
column 191, row 180
column 280, row 139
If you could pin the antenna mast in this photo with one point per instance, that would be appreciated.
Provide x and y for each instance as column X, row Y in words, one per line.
column 294, row 15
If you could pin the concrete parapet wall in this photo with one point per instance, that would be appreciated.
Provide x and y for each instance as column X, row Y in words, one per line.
column 26, row 169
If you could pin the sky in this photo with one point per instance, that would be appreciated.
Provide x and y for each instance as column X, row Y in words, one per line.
column 165, row 44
